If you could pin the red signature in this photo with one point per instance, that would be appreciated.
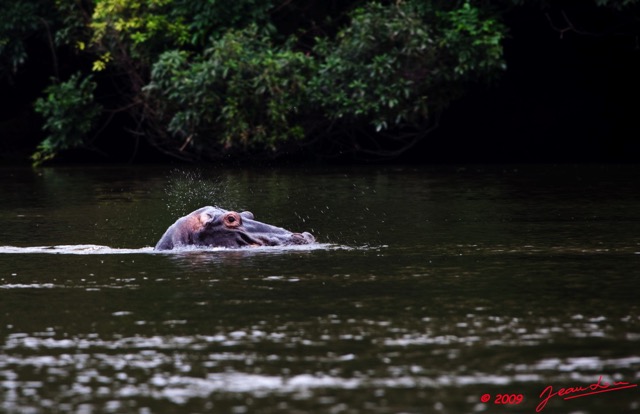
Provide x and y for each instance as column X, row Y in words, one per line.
column 577, row 392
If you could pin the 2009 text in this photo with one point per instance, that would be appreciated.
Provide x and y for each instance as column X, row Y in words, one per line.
column 503, row 399
column 508, row 399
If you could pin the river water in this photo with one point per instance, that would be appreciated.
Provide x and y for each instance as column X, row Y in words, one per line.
column 431, row 290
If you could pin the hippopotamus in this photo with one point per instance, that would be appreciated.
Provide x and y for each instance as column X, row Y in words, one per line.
column 215, row 227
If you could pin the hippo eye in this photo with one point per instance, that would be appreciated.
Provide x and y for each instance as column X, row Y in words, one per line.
column 232, row 219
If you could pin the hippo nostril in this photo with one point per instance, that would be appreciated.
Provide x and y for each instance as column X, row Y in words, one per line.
column 301, row 238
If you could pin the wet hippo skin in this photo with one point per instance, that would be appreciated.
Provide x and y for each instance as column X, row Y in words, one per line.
column 215, row 227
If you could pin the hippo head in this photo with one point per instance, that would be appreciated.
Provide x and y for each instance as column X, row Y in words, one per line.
column 215, row 227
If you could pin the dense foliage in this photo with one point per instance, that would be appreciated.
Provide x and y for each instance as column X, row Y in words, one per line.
column 242, row 93
column 388, row 69
column 397, row 67
column 69, row 111
column 207, row 79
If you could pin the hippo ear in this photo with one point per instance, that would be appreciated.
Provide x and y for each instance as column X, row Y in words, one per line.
column 247, row 215
column 206, row 217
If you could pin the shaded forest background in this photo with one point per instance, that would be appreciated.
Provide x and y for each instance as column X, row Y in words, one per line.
column 415, row 81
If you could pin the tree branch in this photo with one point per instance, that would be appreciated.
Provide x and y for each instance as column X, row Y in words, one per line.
column 54, row 57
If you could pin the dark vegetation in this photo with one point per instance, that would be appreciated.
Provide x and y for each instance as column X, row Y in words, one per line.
column 416, row 80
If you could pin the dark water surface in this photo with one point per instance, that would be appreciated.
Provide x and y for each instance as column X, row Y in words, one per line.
column 431, row 288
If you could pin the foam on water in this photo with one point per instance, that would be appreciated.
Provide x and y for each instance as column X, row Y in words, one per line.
column 72, row 249
column 93, row 249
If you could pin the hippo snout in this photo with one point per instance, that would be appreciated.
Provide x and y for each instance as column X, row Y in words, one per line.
column 302, row 238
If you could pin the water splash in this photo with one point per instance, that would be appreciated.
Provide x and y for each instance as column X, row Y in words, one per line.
column 188, row 190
